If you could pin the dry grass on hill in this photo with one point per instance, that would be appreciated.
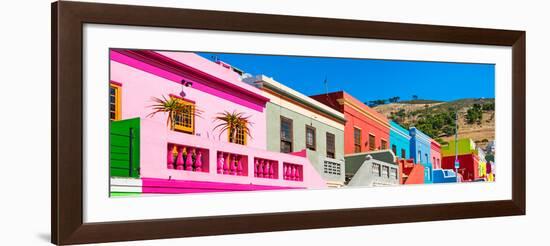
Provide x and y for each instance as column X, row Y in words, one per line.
column 480, row 133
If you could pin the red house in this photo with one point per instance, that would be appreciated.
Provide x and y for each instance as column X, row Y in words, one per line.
column 468, row 166
column 365, row 129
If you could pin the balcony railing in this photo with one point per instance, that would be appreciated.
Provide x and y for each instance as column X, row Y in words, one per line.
column 293, row 172
column 195, row 159
column 264, row 168
column 187, row 158
column 200, row 159
column 232, row 164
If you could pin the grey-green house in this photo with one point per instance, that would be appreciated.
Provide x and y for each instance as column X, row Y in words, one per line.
column 298, row 123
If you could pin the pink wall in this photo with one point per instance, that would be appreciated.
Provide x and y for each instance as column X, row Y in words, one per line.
column 154, row 139
column 138, row 87
column 140, row 81
column 162, row 186
column 435, row 153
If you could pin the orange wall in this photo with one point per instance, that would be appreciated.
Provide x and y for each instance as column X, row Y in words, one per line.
column 368, row 126
column 414, row 172
column 417, row 175
column 358, row 115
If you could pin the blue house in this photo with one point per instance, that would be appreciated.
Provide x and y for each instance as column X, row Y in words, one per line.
column 420, row 147
column 444, row 176
column 399, row 140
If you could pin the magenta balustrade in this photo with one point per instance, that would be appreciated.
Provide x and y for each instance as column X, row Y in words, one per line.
column 232, row 164
column 264, row 168
column 193, row 159
column 187, row 158
column 293, row 172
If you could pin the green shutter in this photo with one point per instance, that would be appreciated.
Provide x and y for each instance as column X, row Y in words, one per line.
column 124, row 148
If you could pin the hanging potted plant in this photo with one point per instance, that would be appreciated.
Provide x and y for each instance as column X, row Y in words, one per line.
column 172, row 106
column 233, row 123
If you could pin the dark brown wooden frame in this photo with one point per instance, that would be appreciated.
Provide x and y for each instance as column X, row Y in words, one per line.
column 67, row 205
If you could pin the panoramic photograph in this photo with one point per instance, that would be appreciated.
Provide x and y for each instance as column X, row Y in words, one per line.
column 186, row 122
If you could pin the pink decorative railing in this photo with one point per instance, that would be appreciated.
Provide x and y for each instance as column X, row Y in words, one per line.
column 194, row 159
column 232, row 164
column 293, row 172
column 264, row 168
column 187, row 158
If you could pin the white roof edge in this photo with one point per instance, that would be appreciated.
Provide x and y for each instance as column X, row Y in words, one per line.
column 401, row 133
column 423, row 135
column 274, row 83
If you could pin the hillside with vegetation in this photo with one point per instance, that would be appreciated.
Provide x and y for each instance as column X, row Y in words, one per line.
column 476, row 117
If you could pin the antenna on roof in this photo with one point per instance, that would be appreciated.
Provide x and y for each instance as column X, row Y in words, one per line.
column 215, row 58
column 326, row 85
column 326, row 93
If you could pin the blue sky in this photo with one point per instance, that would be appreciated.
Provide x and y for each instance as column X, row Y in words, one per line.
column 371, row 79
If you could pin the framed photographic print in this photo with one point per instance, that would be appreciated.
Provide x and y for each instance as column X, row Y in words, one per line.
column 174, row 122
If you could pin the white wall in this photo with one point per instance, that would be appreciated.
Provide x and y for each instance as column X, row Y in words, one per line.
column 25, row 74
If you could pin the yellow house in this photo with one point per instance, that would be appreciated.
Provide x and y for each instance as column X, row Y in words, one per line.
column 482, row 164
column 482, row 168
column 491, row 177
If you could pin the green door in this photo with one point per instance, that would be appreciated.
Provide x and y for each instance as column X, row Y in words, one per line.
column 124, row 148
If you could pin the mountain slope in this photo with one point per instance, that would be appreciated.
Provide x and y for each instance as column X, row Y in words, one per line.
column 437, row 118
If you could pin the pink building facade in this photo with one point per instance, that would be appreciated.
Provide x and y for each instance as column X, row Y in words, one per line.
column 202, row 159
column 435, row 153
